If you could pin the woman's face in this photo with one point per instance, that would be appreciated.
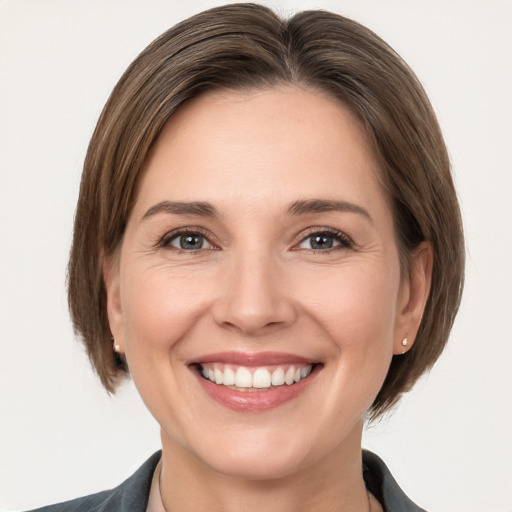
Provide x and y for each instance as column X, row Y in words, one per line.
column 260, row 252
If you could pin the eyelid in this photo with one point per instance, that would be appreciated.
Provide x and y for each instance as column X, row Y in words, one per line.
column 345, row 241
column 343, row 238
column 164, row 241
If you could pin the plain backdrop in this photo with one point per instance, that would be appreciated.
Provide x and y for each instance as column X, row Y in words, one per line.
column 449, row 443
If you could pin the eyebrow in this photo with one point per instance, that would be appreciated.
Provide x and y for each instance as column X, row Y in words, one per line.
column 300, row 207
column 199, row 208
column 303, row 207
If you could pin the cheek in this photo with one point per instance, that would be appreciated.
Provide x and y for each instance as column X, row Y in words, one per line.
column 357, row 307
column 358, row 311
column 159, row 307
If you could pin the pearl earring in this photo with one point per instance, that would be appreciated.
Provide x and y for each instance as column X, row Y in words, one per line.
column 405, row 341
column 117, row 348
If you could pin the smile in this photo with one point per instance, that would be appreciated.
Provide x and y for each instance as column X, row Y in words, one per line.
column 242, row 378
column 254, row 382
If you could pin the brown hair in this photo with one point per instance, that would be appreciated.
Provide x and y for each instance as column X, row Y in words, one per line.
column 248, row 45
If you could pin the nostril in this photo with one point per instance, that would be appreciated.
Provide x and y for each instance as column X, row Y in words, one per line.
column 254, row 317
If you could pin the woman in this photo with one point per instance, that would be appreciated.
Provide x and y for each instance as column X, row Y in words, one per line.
column 268, row 239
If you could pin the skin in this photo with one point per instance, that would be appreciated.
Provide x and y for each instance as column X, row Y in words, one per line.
column 257, row 285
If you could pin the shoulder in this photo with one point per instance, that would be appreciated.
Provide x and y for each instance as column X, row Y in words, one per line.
column 131, row 496
column 383, row 486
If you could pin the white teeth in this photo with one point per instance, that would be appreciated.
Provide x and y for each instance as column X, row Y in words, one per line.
column 278, row 377
column 218, row 376
column 229, row 377
column 243, row 378
column 259, row 378
column 288, row 378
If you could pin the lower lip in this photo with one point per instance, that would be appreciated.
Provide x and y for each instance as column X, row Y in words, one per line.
column 255, row 401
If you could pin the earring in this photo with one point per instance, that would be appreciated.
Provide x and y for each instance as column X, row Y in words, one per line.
column 118, row 355
column 117, row 347
column 405, row 341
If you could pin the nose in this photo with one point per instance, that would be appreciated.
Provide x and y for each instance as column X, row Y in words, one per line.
column 254, row 299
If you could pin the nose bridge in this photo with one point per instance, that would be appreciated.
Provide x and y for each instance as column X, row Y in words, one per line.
column 254, row 298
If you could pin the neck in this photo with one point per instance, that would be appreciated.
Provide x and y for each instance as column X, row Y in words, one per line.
column 333, row 483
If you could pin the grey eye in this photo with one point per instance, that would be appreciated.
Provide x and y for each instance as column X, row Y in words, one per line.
column 190, row 242
column 319, row 241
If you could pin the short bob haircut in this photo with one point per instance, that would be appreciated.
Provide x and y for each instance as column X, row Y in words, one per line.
column 247, row 46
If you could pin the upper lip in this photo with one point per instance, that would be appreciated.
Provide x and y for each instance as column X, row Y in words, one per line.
column 253, row 358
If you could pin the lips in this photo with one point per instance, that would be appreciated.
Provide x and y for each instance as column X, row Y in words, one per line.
column 254, row 382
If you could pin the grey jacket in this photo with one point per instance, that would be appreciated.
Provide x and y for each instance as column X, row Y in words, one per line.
column 132, row 495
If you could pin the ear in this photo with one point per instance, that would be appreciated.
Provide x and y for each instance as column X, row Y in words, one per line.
column 414, row 293
column 111, row 279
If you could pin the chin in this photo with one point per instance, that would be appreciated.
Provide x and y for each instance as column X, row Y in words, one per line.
column 261, row 466
column 254, row 454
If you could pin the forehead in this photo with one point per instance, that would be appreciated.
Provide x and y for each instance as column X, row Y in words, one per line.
column 284, row 143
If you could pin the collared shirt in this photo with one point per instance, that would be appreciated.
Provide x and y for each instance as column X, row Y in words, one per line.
column 155, row 503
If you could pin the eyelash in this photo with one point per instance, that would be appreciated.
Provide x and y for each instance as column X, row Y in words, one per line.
column 345, row 242
column 166, row 240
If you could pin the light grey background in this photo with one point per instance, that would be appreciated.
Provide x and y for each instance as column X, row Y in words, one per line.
column 449, row 444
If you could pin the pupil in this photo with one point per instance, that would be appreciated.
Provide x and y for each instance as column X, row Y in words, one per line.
column 191, row 242
column 321, row 242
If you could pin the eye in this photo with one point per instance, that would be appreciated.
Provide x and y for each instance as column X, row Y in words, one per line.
column 324, row 241
column 187, row 241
